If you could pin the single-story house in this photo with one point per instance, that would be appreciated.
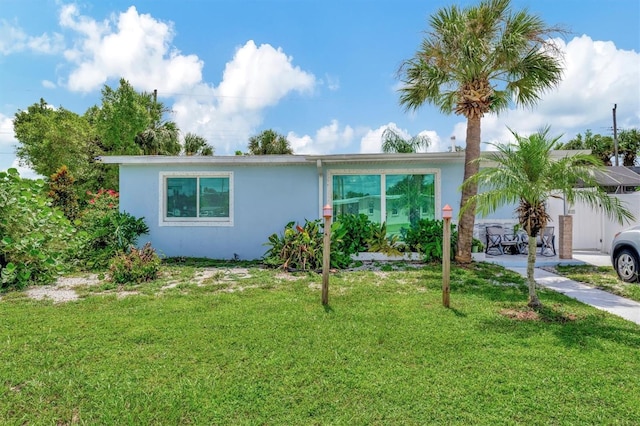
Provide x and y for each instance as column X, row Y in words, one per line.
column 226, row 207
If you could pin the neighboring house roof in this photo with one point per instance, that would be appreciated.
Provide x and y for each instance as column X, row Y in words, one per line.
column 617, row 176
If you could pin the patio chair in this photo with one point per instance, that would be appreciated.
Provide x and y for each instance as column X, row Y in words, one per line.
column 498, row 240
column 547, row 242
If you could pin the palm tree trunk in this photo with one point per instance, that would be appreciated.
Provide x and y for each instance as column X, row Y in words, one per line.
column 534, row 302
column 471, row 167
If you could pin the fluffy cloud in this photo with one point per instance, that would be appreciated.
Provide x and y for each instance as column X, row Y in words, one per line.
column 130, row 45
column 597, row 76
column 256, row 78
column 327, row 140
column 13, row 39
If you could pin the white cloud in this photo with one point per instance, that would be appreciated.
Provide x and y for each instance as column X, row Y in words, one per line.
column 597, row 76
column 371, row 142
column 327, row 140
column 48, row 84
column 130, row 45
column 256, row 78
column 13, row 39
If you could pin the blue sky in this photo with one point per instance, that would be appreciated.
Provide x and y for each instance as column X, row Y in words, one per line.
column 323, row 73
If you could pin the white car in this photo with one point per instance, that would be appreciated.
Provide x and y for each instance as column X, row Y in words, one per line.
column 625, row 254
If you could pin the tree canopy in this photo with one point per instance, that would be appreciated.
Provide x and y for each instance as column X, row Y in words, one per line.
column 269, row 142
column 126, row 122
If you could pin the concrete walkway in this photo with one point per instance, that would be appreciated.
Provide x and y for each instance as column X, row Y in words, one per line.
column 625, row 308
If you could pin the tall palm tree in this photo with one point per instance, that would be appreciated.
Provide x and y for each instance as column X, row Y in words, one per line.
column 393, row 142
column 527, row 174
column 478, row 60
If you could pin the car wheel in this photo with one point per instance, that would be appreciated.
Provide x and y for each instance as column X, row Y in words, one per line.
column 627, row 266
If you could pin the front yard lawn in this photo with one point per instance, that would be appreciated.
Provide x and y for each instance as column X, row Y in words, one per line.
column 254, row 346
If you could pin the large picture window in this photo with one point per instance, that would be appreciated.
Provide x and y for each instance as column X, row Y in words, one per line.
column 399, row 199
column 202, row 198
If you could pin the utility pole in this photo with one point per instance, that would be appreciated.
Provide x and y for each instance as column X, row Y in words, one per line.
column 615, row 135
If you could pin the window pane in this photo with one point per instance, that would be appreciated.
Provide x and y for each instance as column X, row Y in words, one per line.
column 409, row 198
column 214, row 197
column 355, row 194
column 181, row 197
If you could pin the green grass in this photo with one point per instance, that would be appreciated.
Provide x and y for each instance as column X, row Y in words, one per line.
column 602, row 277
column 257, row 347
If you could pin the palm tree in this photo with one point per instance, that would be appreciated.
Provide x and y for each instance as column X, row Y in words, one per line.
column 269, row 142
column 527, row 174
column 196, row 145
column 393, row 142
column 478, row 60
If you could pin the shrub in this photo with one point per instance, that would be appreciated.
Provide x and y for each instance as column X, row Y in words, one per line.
column 62, row 193
column 358, row 230
column 426, row 237
column 381, row 243
column 136, row 266
column 109, row 232
column 298, row 248
column 34, row 237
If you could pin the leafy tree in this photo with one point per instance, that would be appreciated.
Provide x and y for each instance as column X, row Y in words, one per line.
column 478, row 60
column 50, row 138
column 600, row 146
column 196, row 145
column 63, row 194
column 124, row 113
column 269, row 142
column 526, row 174
column 629, row 146
column 393, row 142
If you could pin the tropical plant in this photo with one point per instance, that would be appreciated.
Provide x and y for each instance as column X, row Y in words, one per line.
column 392, row 142
column 426, row 237
column 109, row 231
column 600, row 146
column 63, row 194
column 629, row 146
column 527, row 174
column 478, row 60
column 357, row 230
column 380, row 242
column 269, row 142
column 298, row 248
column 34, row 237
column 196, row 145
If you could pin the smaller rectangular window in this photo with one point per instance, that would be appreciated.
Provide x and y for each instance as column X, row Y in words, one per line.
column 197, row 199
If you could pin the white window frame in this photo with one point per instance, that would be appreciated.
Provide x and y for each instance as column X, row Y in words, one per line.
column 193, row 221
column 383, row 183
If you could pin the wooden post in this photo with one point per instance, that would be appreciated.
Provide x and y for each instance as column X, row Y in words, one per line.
column 446, row 254
column 327, row 213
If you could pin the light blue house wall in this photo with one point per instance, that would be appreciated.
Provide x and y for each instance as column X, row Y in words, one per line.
column 265, row 198
column 267, row 193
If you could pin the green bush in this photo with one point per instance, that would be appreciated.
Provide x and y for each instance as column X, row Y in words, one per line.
column 298, row 248
column 426, row 238
column 136, row 266
column 109, row 232
column 358, row 231
column 62, row 193
column 35, row 239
